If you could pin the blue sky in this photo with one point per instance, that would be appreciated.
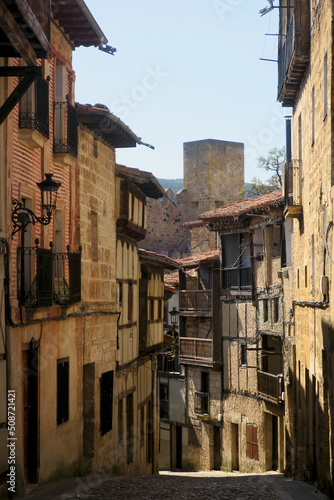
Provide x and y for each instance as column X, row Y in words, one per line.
column 183, row 71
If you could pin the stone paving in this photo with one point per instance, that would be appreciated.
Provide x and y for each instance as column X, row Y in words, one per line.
column 211, row 485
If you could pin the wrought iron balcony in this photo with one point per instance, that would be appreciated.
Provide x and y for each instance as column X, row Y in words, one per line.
column 193, row 301
column 67, row 277
column 201, row 403
column 237, row 278
column 34, row 108
column 65, row 129
column 195, row 349
column 45, row 277
column 270, row 387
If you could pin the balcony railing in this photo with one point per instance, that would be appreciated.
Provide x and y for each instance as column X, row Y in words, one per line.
column 201, row 403
column 237, row 278
column 67, row 277
column 168, row 364
column 270, row 387
column 65, row 129
column 196, row 349
column 45, row 277
column 285, row 52
column 34, row 108
column 293, row 50
column 195, row 300
column 35, row 276
column 292, row 174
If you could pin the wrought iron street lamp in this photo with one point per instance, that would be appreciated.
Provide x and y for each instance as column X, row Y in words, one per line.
column 22, row 216
column 173, row 317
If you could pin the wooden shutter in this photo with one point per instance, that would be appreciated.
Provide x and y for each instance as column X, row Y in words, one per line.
column 252, row 444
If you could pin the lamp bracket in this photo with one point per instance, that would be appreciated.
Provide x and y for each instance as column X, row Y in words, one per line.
column 22, row 216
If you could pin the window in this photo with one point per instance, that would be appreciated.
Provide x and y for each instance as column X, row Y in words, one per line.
column 120, row 422
column 325, row 86
column 204, row 382
column 59, row 115
column 160, row 309
column 130, row 303
column 305, row 271
column 265, row 310
column 107, row 380
column 62, row 390
column 243, row 355
column 129, row 429
column 94, row 236
column 59, row 243
column 164, row 401
column 120, row 294
column 34, row 110
column 151, row 309
column 276, row 310
column 252, row 445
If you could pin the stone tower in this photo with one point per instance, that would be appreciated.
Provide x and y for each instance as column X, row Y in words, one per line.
column 213, row 172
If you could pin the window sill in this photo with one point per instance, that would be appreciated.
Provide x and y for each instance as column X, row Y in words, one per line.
column 64, row 159
column 32, row 138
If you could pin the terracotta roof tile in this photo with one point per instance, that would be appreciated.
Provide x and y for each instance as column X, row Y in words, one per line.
column 167, row 262
column 239, row 208
column 194, row 260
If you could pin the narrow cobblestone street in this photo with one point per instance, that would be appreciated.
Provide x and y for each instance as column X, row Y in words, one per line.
column 211, row 485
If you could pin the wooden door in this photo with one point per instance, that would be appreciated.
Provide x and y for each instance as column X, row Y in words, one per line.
column 30, row 413
column 216, row 448
column 235, row 446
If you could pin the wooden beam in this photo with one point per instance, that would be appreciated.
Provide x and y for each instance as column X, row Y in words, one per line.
column 9, row 71
column 16, row 95
column 33, row 23
column 16, row 36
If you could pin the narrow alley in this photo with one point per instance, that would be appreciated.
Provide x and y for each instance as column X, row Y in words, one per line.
column 180, row 485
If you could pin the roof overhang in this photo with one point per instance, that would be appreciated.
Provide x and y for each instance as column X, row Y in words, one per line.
column 25, row 31
column 74, row 17
column 107, row 126
column 158, row 259
column 145, row 181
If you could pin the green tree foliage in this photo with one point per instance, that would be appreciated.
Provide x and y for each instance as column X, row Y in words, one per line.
column 272, row 163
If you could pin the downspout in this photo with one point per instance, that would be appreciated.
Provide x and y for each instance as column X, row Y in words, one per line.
column 154, row 404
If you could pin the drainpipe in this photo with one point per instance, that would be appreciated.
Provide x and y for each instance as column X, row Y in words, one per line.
column 154, row 404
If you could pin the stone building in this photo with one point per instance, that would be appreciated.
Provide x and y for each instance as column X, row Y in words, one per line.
column 207, row 166
column 305, row 82
column 248, row 420
column 78, row 349
column 39, row 136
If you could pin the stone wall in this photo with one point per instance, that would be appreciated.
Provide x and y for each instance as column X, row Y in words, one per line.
column 311, row 325
column 213, row 176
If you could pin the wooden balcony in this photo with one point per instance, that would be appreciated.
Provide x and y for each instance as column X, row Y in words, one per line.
column 196, row 350
column 195, row 303
column 237, row 278
column 293, row 50
column 270, row 387
column 292, row 182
